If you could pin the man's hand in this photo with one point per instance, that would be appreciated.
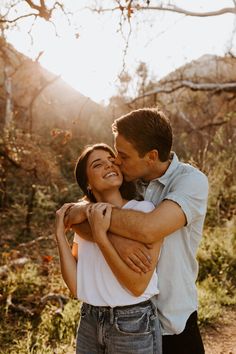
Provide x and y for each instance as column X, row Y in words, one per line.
column 76, row 214
column 135, row 254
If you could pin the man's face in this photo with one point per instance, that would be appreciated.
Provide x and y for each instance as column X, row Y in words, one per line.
column 131, row 164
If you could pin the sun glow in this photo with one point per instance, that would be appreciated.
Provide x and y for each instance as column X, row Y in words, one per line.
column 91, row 60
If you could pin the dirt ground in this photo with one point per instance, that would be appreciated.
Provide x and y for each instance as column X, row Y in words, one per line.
column 221, row 338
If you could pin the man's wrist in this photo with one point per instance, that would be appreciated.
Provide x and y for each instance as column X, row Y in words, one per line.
column 77, row 214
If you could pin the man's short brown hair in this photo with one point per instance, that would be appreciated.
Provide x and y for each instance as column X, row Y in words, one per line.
column 146, row 129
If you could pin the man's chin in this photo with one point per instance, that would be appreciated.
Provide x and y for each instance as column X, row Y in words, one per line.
column 127, row 178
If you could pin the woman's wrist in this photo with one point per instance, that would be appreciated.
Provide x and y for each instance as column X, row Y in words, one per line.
column 100, row 237
column 60, row 235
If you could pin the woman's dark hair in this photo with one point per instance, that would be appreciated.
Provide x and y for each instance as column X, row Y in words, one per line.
column 127, row 189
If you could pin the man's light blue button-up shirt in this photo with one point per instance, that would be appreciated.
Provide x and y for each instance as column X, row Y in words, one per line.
column 177, row 267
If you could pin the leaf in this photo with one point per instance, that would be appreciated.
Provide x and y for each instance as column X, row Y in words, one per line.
column 47, row 258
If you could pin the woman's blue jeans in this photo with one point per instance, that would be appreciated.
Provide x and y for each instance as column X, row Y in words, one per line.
column 132, row 329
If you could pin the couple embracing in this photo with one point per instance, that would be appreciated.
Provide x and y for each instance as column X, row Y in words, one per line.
column 133, row 260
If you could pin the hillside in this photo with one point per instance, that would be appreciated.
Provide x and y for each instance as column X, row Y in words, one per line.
column 42, row 100
column 199, row 97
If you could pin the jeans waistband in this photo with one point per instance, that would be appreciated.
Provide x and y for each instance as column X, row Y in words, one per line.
column 112, row 312
column 142, row 304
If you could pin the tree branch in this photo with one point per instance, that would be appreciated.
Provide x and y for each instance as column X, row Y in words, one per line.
column 173, row 8
column 169, row 8
column 227, row 86
column 16, row 262
column 17, row 18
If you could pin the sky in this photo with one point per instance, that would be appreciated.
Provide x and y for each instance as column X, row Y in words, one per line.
column 92, row 61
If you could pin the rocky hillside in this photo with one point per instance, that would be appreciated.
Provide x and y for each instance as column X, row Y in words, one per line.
column 41, row 100
column 199, row 97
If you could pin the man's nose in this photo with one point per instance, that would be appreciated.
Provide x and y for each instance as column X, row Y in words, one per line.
column 117, row 161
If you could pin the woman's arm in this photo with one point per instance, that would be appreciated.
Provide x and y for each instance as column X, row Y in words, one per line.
column 67, row 260
column 99, row 219
column 134, row 254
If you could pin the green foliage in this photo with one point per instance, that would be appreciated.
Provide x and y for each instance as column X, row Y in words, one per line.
column 220, row 165
column 27, row 325
column 217, row 272
column 29, row 201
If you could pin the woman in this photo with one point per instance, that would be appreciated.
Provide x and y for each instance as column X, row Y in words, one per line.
column 118, row 314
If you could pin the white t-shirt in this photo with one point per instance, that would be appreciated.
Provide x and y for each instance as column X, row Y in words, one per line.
column 96, row 284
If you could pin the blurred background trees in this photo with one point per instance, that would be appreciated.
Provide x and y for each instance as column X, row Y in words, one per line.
column 44, row 124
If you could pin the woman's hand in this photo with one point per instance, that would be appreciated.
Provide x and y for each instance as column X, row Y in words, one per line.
column 60, row 214
column 76, row 214
column 99, row 218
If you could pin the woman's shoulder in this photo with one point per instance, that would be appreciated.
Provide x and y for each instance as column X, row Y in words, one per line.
column 142, row 205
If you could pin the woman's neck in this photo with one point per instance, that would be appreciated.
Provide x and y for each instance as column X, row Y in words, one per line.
column 111, row 197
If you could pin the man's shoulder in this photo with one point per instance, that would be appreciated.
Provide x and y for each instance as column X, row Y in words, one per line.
column 186, row 169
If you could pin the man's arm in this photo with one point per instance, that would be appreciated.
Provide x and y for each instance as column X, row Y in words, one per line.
column 148, row 227
column 135, row 225
column 135, row 254
column 184, row 203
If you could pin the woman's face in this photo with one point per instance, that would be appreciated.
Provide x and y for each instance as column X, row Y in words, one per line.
column 102, row 173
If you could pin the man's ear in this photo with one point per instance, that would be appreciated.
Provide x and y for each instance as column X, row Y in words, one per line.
column 152, row 156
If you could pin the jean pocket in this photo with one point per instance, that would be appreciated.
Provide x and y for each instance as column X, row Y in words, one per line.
column 134, row 323
column 83, row 312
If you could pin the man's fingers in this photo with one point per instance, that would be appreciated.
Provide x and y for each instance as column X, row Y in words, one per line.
column 139, row 263
column 144, row 257
column 132, row 265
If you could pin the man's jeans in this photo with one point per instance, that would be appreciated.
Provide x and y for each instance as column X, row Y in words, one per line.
column 132, row 329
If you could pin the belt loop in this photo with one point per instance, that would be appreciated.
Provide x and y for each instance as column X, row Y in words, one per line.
column 111, row 316
column 154, row 305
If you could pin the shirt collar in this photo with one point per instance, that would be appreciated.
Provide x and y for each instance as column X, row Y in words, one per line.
column 172, row 167
column 164, row 178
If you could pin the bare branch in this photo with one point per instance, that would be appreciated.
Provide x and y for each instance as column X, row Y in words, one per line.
column 3, row 20
column 169, row 8
column 32, row 5
column 58, row 297
column 16, row 262
column 39, row 56
column 173, row 8
column 33, row 242
column 19, row 308
column 227, row 86
column 214, row 124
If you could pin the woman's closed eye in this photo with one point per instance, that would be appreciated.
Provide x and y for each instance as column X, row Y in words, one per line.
column 97, row 165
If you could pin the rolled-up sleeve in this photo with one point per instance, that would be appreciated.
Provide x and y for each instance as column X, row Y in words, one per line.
column 190, row 192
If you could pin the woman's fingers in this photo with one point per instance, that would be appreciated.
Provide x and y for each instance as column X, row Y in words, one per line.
column 60, row 213
column 64, row 208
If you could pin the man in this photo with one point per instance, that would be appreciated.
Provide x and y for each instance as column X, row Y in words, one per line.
column 143, row 140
